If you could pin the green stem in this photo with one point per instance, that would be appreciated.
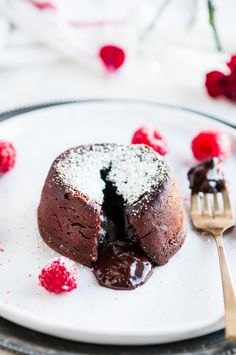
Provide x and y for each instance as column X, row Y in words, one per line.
column 212, row 22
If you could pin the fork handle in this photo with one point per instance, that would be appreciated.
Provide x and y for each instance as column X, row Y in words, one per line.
column 228, row 290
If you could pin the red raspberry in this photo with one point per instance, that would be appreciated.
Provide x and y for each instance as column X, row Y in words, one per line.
column 59, row 275
column 148, row 135
column 112, row 57
column 232, row 64
column 7, row 156
column 215, row 83
column 230, row 87
column 43, row 5
column 208, row 144
column 219, row 84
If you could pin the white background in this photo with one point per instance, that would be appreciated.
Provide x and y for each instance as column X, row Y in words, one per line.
column 31, row 73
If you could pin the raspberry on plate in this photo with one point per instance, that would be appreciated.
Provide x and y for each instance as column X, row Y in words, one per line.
column 150, row 136
column 211, row 143
column 7, row 156
column 60, row 275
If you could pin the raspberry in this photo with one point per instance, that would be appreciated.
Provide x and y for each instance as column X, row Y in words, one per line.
column 219, row 84
column 148, row 135
column 7, row 156
column 59, row 275
column 43, row 5
column 112, row 57
column 230, row 87
column 232, row 64
column 215, row 83
column 209, row 144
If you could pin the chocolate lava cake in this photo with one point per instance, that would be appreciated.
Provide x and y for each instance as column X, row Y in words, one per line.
column 120, row 196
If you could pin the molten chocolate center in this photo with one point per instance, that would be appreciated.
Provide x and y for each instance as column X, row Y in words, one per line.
column 121, row 263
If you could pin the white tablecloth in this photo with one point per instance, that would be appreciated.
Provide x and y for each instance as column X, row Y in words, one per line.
column 30, row 74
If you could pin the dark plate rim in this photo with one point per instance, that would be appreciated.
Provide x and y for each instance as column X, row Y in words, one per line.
column 35, row 107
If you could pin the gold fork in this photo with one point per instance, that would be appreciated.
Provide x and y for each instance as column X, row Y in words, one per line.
column 207, row 216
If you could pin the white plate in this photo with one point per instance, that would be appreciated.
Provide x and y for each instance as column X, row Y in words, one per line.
column 182, row 299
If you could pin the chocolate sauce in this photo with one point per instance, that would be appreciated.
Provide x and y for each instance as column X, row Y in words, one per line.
column 206, row 177
column 121, row 263
column 122, row 266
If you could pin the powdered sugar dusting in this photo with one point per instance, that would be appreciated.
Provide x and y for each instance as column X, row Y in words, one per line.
column 133, row 169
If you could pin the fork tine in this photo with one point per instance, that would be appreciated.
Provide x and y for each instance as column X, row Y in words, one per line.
column 216, row 206
column 206, row 205
column 195, row 206
column 227, row 203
